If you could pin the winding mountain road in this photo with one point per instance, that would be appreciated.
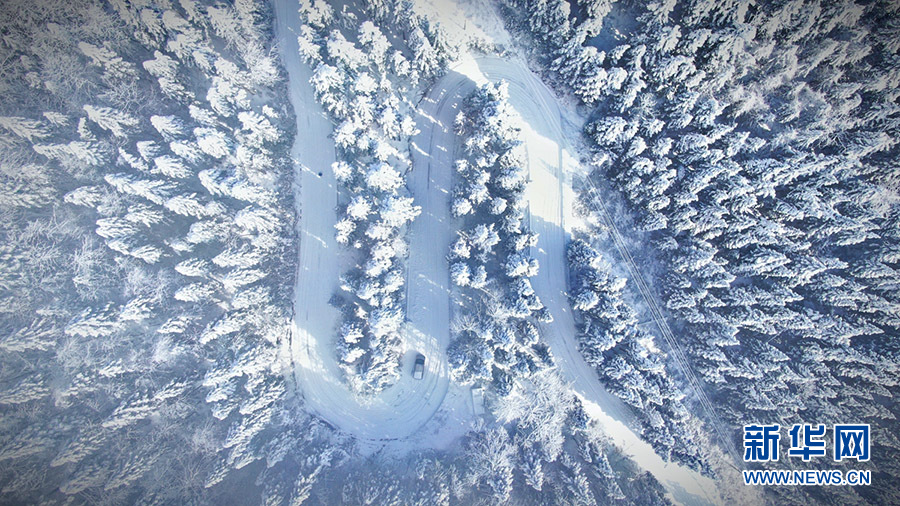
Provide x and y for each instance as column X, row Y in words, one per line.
column 400, row 411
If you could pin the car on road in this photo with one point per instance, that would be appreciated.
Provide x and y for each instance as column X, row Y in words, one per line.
column 419, row 367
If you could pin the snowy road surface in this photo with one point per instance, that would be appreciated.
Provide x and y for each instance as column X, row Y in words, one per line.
column 405, row 407
column 401, row 410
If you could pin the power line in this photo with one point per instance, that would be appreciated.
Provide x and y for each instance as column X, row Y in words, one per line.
column 596, row 202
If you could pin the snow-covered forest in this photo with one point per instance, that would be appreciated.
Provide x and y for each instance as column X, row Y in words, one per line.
column 754, row 147
column 627, row 357
column 146, row 203
column 494, row 333
column 444, row 251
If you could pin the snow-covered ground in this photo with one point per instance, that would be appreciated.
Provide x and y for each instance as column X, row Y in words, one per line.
column 466, row 21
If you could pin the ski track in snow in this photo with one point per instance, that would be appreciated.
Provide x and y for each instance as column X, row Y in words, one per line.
column 401, row 410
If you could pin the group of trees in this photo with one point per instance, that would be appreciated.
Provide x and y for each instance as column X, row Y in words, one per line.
column 539, row 444
column 146, row 274
column 757, row 148
column 500, row 464
column 564, row 30
column 627, row 359
column 365, row 82
column 148, row 251
column 545, row 448
column 490, row 265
